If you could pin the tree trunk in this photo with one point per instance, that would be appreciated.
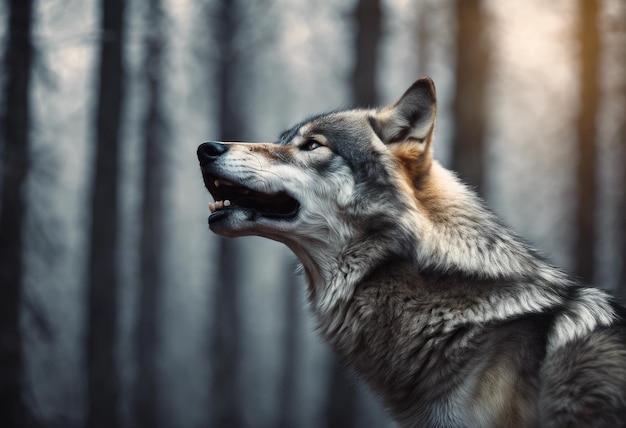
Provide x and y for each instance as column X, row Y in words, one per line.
column 14, row 140
column 367, row 18
column 342, row 401
column 423, row 35
column 155, row 133
column 589, row 45
column 103, row 282
column 621, row 285
column 470, row 101
column 288, row 415
column 225, row 341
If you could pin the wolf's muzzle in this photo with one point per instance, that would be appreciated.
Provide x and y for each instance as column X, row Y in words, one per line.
column 210, row 151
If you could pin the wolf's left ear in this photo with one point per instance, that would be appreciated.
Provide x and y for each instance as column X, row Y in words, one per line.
column 412, row 117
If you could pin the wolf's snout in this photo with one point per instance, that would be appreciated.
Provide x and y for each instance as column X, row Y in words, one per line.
column 209, row 151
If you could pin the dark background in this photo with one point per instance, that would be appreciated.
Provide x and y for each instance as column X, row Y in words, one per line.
column 119, row 308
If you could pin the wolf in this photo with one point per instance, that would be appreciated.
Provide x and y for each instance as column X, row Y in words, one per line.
column 448, row 316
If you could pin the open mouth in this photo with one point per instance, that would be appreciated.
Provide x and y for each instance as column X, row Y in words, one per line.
column 231, row 196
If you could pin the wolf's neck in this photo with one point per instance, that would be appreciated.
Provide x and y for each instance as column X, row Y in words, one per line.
column 456, row 232
column 332, row 275
column 449, row 231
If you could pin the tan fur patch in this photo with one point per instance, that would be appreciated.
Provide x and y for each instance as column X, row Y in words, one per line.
column 415, row 158
column 493, row 398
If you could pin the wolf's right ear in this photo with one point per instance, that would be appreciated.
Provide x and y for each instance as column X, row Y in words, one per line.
column 412, row 117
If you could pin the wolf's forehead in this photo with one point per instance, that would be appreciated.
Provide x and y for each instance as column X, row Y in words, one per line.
column 302, row 128
column 326, row 123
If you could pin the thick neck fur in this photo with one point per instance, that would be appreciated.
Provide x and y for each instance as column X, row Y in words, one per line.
column 449, row 231
column 456, row 232
column 333, row 267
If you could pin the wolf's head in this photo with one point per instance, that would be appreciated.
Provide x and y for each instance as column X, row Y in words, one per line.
column 329, row 181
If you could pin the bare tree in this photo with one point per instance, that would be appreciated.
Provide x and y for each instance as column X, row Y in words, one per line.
column 14, row 137
column 226, row 21
column 342, row 400
column 470, row 100
column 102, row 374
column 367, row 18
column 288, row 416
column 589, row 56
column 423, row 35
column 621, row 287
column 155, row 131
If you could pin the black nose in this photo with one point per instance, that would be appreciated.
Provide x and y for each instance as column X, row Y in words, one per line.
column 209, row 151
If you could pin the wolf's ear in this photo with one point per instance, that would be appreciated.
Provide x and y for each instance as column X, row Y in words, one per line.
column 412, row 117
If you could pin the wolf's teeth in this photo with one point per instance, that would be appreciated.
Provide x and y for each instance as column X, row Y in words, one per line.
column 218, row 205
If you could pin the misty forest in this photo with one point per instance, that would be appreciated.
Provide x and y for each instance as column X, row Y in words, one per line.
column 118, row 306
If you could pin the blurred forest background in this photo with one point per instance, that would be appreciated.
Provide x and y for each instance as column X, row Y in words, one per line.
column 118, row 307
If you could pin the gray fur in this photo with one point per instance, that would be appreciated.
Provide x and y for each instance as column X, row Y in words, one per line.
column 441, row 310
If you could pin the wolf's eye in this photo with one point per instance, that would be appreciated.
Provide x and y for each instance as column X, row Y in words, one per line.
column 311, row 145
